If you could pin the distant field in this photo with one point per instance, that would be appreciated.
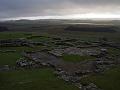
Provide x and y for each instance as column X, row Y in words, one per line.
column 13, row 35
column 63, row 28
column 91, row 28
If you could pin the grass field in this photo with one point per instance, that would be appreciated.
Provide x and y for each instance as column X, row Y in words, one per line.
column 114, row 52
column 40, row 79
column 13, row 35
column 76, row 58
column 22, row 48
column 37, row 79
column 9, row 58
column 38, row 38
column 44, row 79
column 110, row 80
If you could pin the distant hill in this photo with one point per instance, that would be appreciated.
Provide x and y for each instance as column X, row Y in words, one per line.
column 3, row 28
column 55, row 25
column 91, row 28
column 60, row 21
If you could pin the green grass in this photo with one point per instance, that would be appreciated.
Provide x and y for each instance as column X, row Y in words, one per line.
column 110, row 80
column 40, row 79
column 114, row 52
column 21, row 49
column 39, row 38
column 9, row 58
column 13, row 35
column 76, row 58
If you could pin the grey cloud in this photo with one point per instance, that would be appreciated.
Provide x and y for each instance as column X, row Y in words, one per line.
column 24, row 8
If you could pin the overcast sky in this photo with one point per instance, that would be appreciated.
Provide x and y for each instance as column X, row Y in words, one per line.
column 59, row 9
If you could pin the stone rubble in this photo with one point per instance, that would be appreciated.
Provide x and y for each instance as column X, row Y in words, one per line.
column 40, row 60
column 78, row 51
column 4, row 68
